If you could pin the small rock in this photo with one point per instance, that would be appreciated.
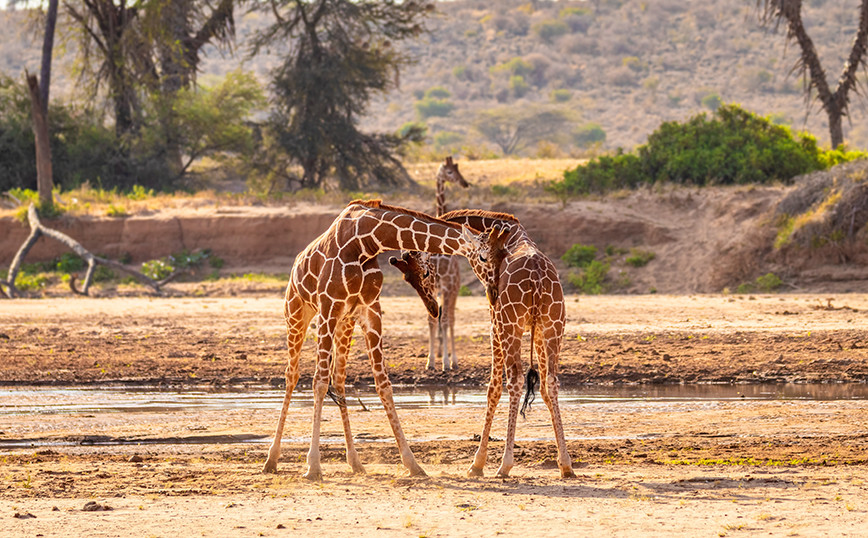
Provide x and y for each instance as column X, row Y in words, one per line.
column 25, row 515
column 135, row 458
column 93, row 506
column 280, row 526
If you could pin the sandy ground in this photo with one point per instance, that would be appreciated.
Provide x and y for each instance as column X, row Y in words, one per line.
column 699, row 468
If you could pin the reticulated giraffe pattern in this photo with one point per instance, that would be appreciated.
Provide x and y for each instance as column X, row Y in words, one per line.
column 527, row 295
column 337, row 281
column 441, row 333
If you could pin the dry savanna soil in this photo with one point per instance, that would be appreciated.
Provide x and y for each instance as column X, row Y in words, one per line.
column 700, row 467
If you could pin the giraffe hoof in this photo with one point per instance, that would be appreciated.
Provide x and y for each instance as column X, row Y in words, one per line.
column 269, row 467
column 567, row 473
column 313, row 476
column 474, row 472
column 418, row 471
column 502, row 474
column 359, row 469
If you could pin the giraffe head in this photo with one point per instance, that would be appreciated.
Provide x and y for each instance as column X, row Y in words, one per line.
column 448, row 171
column 487, row 268
column 419, row 272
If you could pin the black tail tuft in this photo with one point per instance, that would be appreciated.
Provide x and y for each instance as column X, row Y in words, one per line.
column 532, row 380
column 336, row 398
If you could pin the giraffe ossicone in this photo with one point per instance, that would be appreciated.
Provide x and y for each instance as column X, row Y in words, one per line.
column 337, row 280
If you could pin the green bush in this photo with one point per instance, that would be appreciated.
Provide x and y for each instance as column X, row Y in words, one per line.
column 69, row 263
column 734, row 146
column 561, row 96
column 588, row 135
column 157, row 269
column 591, row 279
column 429, row 107
column 550, row 29
column 438, row 92
column 767, row 283
column 639, row 257
column 579, row 255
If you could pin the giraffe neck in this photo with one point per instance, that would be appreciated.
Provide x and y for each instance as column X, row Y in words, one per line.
column 441, row 194
column 387, row 228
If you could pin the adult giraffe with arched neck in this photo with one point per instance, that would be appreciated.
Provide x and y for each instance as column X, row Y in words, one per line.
column 337, row 279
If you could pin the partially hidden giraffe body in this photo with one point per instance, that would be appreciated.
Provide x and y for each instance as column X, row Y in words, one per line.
column 527, row 295
column 337, row 280
column 441, row 332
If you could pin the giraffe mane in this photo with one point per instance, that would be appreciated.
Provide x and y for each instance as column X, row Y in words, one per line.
column 479, row 213
column 378, row 204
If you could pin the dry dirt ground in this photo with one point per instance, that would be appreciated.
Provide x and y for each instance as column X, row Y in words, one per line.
column 700, row 468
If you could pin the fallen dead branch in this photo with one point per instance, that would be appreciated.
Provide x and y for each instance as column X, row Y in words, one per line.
column 37, row 230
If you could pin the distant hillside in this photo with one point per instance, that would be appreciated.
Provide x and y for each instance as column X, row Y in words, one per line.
column 626, row 65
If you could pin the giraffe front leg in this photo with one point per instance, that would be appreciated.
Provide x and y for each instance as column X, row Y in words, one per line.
column 372, row 324
column 343, row 342
column 495, row 388
column 296, row 328
column 325, row 339
column 433, row 340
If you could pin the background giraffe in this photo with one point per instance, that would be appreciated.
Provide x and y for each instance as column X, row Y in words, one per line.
column 527, row 294
column 337, row 279
column 441, row 333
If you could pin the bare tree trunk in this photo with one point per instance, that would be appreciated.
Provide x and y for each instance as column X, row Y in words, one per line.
column 44, row 180
column 836, row 131
column 47, row 49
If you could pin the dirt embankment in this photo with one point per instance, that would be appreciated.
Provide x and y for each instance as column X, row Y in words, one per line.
column 687, row 229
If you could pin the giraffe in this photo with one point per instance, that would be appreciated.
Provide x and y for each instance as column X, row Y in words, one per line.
column 337, row 281
column 441, row 333
column 524, row 291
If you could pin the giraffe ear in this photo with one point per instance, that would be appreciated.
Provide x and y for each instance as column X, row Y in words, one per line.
column 449, row 160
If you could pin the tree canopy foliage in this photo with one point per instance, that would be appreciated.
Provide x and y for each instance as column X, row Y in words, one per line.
column 339, row 54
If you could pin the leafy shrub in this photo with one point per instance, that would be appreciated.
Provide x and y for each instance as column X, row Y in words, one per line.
column 438, row 92
column 639, row 257
column 764, row 284
column 579, row 255
column 712, row 101
column 464, row 291
column 429, row 107
column 157, row 269
column 734, row 146
column 550, row 29
column 446, row 139
column 515, row 66
column 591, row 279
column 116, row 211
column 588, row 135
column 518, row 86
column 30, row 282
column 69, row 263
column 561, row 95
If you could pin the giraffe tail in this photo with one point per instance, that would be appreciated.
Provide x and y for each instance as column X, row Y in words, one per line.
column 531, row 381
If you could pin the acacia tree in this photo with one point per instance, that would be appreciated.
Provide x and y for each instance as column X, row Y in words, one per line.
column 338, row 55
column 148, row 51
column 835, row 102
column 512, row 129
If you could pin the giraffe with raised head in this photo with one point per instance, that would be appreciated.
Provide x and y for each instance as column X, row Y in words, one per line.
column 447, row 280
column 524, row 292
column 337, row 281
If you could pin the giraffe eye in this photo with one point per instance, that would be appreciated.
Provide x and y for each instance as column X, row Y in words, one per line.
column 427, row 272
column 482, row 258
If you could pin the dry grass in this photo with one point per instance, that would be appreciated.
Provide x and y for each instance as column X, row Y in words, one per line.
column 497, row 180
